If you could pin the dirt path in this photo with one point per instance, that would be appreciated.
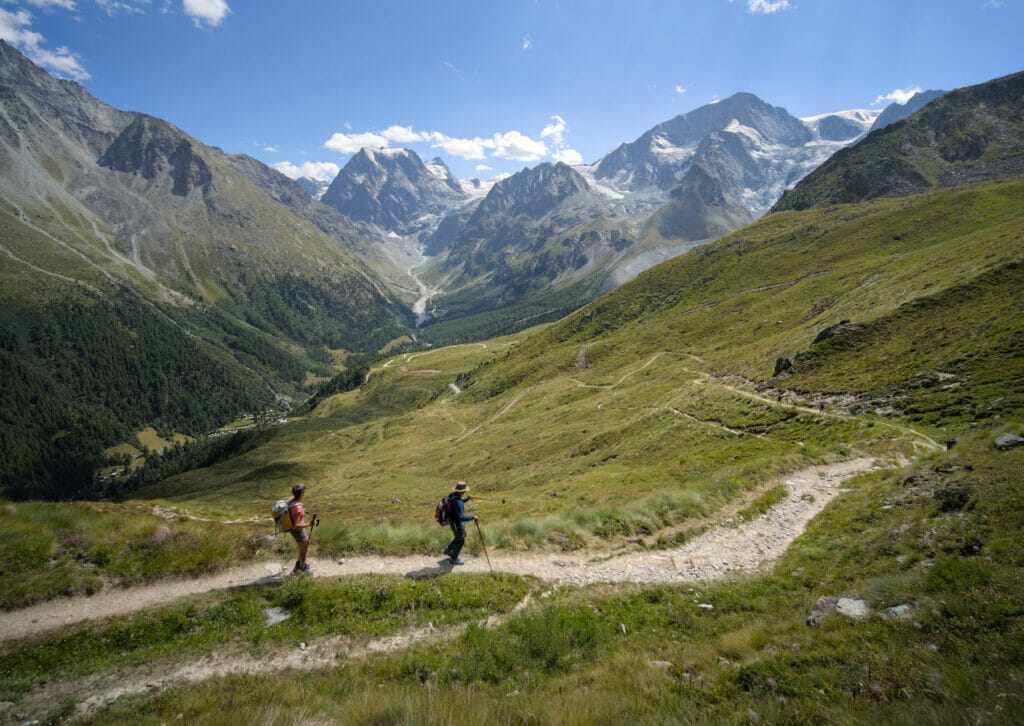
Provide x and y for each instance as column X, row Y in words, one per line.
column 728, row 549
column 94, row 692
column 724, row 549
column 915, row 437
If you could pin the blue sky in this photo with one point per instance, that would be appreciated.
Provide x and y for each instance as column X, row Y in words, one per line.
column 490, row 86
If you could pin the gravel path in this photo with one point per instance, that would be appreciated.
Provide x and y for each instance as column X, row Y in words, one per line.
column 725, row 550
column 728, row 548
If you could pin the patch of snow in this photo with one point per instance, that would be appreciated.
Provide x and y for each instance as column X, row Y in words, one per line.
column 667, row 152
column 440, row 172
column 389, row 152
column 735, row 127
column 603, row 188
column 477, row 190
column 863, row 118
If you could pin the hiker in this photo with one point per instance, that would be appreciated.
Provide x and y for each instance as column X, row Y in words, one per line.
column 456, row 520
column 300, row 527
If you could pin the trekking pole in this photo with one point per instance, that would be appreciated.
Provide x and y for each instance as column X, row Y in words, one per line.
column 484, row 544
column 485, row 499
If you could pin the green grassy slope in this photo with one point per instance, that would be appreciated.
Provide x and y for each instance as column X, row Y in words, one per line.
column 651, row 655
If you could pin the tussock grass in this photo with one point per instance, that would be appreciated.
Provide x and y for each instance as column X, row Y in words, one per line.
column 48, row 549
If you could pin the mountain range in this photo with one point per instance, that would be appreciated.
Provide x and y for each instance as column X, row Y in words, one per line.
column 150, row 279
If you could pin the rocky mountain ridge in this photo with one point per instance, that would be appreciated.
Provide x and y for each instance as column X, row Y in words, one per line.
column 395, row 190
column 968, row 135
column 149, row 279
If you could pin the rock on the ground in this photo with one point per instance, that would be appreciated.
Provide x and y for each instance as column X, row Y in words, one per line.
column 897, row 612
column 1005, row 442
column 821, row 608
column 851, row 607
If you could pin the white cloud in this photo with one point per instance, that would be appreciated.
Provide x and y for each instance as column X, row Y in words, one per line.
column 554, row 130
column 515, row 146
column 469, row 149
column 512, row 145
column 206, row 12
column 483, row 167
column 680, row 90
column 66, row 4
column 899, row 95
column 527, row 42
column 766, row 7
column 272, row 148
column 319, row 170
column 568, row 156
column 351, row 143
column 112, row 7
column 15, row 29
column 403, row 135
column 454, row 69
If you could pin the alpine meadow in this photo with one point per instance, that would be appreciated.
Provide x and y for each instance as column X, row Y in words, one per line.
column 738, row 407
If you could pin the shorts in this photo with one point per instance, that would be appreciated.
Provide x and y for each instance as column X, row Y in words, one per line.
column 301, row 535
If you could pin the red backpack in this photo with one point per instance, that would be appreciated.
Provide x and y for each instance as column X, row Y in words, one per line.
column 443, row 510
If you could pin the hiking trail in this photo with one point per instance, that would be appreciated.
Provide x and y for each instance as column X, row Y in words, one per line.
column 725, row 550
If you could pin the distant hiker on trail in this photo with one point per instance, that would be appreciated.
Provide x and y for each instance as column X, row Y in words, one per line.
column 300, row 526
column 457, row 521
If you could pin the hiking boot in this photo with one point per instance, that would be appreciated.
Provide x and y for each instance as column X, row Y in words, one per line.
column 455, row 561
column 447, row 551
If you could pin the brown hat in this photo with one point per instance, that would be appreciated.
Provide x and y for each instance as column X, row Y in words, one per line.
column 461, row 487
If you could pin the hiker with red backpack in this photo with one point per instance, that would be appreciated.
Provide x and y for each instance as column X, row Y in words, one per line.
column 300, row 527
column 456, row 519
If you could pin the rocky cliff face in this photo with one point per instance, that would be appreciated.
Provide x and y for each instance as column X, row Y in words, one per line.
column 661, row 156
column 153, row 149
column 394, row 190
column 898, row 111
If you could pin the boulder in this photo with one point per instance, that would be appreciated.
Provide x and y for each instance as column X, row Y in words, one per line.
column 821, row 608
column 782, row 365
column 897, row 612
column 833, row 330
column 852, row 607
column 1005, row 442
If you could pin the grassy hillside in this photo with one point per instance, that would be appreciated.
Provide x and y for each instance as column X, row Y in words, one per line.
column 652, row 408
column 938, row 537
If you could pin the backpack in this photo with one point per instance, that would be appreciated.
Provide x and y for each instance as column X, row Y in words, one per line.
column 444, row 510
column 282, row 516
